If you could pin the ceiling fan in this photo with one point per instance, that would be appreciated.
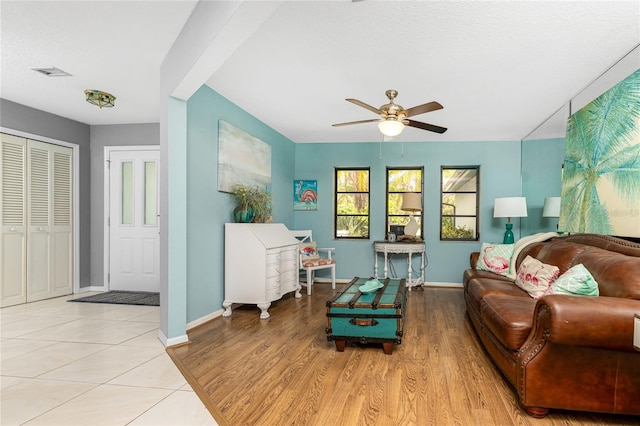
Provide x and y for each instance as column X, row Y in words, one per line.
column 395, row 117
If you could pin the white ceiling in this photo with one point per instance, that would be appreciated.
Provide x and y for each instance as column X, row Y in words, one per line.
column 500, row 68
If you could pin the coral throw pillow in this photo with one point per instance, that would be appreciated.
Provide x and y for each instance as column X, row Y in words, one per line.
column 577, row 280
column 495, row 258
column 535, row 277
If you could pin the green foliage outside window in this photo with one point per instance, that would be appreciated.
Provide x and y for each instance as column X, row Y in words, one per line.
column 459, row 203
column 352, row 203
column 400, row 180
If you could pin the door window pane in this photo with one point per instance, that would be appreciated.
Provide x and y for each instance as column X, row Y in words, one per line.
column 150, row 193
column 127, row 193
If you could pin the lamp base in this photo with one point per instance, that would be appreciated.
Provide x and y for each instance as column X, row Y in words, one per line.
column 508, row 234
column 411, row 228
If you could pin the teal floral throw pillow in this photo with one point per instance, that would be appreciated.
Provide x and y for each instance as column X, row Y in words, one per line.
column 577, row 280
column 495, row 258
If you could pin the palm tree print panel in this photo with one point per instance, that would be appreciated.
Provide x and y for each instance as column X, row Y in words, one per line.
column 601, row 176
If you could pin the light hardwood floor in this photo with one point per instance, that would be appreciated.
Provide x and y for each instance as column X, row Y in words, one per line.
column 284, row 371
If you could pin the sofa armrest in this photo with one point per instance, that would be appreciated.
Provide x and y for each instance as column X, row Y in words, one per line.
column 473, row 259
column 601, row 322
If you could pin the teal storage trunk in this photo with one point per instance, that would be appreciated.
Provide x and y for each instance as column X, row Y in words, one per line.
column 376, row 317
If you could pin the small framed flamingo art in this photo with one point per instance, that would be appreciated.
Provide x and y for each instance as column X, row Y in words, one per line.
column 305, row 194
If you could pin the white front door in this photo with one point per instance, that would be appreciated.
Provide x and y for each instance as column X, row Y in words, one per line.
column 134, row 243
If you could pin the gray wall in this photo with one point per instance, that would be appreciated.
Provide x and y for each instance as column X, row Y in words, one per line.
column 102, row 136
column 15, row 116
column 91, row 141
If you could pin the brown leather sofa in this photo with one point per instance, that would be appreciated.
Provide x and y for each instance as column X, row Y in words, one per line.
column 565, row 351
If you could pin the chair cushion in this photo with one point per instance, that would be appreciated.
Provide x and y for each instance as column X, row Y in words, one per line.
column 308, row 251
column 317, row 262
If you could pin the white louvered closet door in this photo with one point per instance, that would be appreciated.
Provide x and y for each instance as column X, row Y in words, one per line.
column 50, row 236
column 13, row 254
column 36, row 249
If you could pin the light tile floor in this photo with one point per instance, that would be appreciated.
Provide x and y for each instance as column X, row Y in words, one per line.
column 67, row 363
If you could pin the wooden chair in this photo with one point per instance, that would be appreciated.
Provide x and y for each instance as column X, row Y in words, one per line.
column 310, row 259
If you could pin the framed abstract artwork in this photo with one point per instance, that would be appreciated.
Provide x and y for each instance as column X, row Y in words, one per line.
column 242, row 159
column 305, row 194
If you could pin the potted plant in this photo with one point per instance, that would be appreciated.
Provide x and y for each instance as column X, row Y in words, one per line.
column 254, row 204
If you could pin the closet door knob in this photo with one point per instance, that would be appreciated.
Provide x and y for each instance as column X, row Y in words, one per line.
column 40, row 228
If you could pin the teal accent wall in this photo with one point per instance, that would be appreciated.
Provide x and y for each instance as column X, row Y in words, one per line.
column 499, row 177
column 541, row 177
column 207, row 209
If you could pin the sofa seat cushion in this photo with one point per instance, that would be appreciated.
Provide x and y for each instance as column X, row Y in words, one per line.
column 509, row 318
column 477, row 288
column 476, row 273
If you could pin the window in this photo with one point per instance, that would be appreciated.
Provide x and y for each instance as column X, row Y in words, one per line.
column 352, row 203
column 400, row 180
column 460, row 191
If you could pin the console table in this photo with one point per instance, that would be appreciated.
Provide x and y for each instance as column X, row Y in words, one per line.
column 400, row 247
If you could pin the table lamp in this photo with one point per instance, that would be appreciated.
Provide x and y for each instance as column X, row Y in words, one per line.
column 551, row 207
column 509, row 207
column 411, row 202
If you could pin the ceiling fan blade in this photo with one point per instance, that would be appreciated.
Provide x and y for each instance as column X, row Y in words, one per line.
column 363, row 105
column 357, row 122
column 421, row 109
column 425, row 126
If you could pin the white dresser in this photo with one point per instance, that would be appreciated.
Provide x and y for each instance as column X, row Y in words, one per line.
column 260, row 264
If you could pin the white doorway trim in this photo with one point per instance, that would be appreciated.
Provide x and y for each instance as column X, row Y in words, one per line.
column 76, row 195
column 106, row 207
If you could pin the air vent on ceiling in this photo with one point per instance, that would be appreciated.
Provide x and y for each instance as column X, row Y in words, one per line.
column 52, row 72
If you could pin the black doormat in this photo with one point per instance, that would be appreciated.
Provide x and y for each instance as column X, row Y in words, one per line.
column 123, row 298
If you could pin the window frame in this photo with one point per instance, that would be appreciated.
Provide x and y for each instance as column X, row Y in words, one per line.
column 386, row 198
column 336, row 193
column 477, row 209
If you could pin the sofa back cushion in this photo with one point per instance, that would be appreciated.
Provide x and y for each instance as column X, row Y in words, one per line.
column 617, row 275
column 530, row 250
column 561, row 254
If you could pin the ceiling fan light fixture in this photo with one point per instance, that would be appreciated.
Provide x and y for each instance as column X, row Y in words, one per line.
column 391, row 127
column 99, row 98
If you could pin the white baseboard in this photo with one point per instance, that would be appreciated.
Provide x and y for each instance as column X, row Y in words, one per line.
column 173, row 341
column 91, row 288
column 204, row 319
column 437, row 284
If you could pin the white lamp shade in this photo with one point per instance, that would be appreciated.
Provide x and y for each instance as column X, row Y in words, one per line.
column 551, row 207
column 411, row 202
column 510, row 207
column 390, row 127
